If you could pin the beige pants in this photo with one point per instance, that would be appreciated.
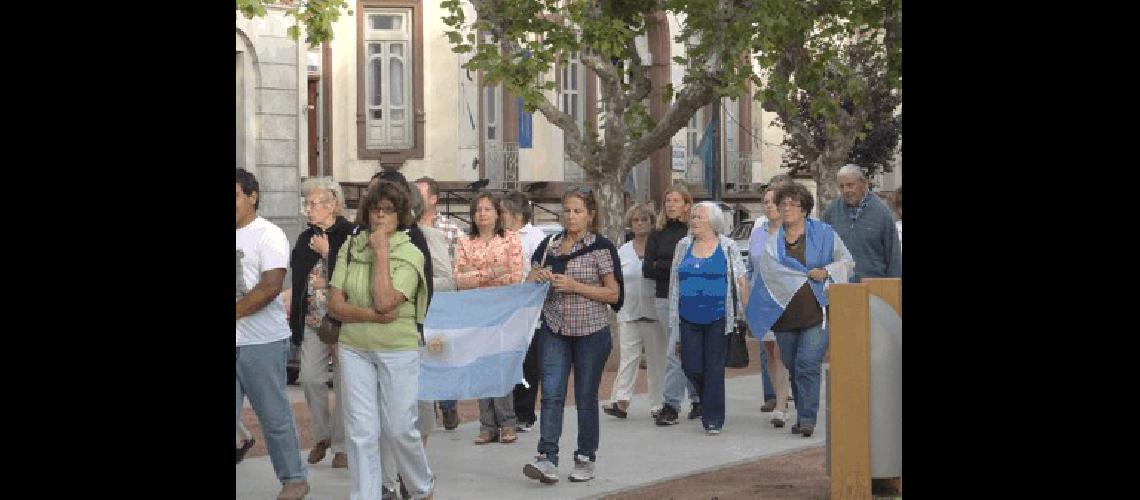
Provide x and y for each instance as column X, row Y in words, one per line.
column 328, row 422
column 633, row 336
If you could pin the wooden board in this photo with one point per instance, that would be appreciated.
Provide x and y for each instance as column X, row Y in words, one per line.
column 888, row 289
column 849, row 390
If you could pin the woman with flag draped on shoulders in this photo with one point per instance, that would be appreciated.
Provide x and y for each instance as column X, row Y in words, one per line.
column 790, row 296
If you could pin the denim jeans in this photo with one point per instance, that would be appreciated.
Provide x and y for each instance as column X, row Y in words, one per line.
column 703, row 352
column 587, row 355
column 261, row 378
column 769, row 391
column 675, row 380
column 447, row 405
column 802, row 352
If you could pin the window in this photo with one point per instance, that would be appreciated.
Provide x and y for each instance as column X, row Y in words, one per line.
column 571, row 85
column 388, row 78
column 390, row 103
column 492, row 107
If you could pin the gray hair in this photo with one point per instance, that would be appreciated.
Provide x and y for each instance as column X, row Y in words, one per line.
column 851, row 169
column 415, row 201
column 325, row 184
column 716, row 217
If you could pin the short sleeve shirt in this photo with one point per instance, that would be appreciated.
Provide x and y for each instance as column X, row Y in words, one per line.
column 569, row 313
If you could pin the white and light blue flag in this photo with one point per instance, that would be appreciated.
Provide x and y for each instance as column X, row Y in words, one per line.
column 477, row 339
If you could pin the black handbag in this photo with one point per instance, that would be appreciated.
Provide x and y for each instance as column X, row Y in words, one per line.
column 737, row 350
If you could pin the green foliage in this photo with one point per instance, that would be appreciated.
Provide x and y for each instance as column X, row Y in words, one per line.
column 317, row 16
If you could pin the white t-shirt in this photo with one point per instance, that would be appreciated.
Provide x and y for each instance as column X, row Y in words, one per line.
column 530, row 237
column 639, row 290
column 261, row 246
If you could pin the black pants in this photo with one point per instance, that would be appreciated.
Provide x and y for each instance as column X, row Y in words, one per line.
column 524, row 397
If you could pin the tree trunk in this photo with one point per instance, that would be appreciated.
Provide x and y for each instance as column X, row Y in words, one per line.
column 611, row 224
column 826, row 166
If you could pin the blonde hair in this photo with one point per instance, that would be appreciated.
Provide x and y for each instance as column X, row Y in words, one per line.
column 680, row 189
column 637, row 209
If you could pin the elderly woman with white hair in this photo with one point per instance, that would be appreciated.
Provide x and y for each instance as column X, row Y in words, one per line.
column 312, row 262
column 704, row 301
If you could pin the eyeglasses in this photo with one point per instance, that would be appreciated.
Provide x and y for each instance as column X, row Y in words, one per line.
column 315, row 202
column 789, row 203
column 639, row 219
column 383, row 209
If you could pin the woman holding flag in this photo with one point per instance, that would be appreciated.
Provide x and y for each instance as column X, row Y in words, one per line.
column 490, row 256
column 790, row 296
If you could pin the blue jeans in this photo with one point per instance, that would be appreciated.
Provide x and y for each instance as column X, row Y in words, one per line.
column 769, row 391
column 588, row 357
column 447, row 405
column 802, row 352
column 703, row 352
column 261, row 378
column 675, row 380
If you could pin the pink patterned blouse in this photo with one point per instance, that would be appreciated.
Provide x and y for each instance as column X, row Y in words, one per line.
column 475, row 261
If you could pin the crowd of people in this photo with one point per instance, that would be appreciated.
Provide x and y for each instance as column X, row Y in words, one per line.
column 679, row 285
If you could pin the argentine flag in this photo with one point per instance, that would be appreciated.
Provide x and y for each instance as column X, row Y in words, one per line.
column 477, row 339
column 779, row 275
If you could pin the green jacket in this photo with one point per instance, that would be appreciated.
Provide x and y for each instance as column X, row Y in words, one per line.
column 406, row 265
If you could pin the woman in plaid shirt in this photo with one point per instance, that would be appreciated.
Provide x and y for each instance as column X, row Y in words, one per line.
column 580, row 264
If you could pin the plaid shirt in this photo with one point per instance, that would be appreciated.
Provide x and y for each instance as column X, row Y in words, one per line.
column 450, row 229
column 569, row 313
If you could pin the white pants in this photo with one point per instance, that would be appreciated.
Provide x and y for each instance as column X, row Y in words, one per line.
column 634, row 335
column 425, row 423
column 380, row 391
column 313, row 378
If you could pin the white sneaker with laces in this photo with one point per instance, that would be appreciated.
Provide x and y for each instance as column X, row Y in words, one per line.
column 542, row 469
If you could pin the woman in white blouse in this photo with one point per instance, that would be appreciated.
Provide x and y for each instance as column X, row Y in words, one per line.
column 637, row 320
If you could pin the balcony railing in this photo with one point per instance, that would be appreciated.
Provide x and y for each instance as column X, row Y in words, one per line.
column 502, row 165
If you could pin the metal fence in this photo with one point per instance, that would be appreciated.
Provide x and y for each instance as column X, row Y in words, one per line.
column 502, row 169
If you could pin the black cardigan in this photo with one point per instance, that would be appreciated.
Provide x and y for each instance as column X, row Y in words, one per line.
column 301, row 262
column 558, row 263
column 659, row 249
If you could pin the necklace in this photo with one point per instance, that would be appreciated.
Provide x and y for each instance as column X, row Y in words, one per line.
column 796, row 243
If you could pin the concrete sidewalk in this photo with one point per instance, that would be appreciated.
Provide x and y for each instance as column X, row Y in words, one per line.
column 633, row 453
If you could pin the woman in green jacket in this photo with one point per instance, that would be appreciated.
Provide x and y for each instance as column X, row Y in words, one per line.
column 379, row 293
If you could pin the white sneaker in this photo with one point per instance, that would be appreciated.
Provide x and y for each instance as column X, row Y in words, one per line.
column 583, row 469
column 542, row 469
column 777, row 419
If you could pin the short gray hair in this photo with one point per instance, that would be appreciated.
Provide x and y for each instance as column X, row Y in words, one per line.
column 851, row 169
column 716, row 217
column 325, row 184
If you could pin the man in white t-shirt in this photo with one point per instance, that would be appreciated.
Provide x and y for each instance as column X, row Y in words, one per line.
column 263, row 335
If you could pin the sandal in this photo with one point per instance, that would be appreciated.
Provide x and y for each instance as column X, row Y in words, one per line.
column 486, row 437
column 616, row 410
column 508, row 436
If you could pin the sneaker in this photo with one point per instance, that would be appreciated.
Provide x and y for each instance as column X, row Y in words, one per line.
column 667, row 416
column 340, row 461
column 524, row 427
column 777, row 419
column 450, row 419
column 294, row 490
column 318, row 452
column 542, row 469
column 805, row 429
column 583, row 469
column 695, row 411
column 769, row 405
column 712, row 431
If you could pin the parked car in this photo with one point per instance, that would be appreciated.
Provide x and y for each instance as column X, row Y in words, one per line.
column 741, row 233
